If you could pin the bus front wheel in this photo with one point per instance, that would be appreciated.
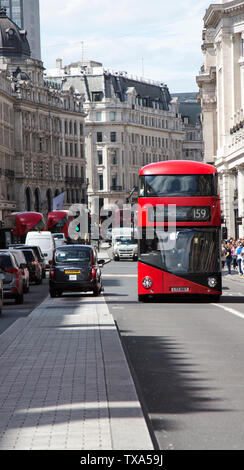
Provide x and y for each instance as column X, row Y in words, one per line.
column 142, row 298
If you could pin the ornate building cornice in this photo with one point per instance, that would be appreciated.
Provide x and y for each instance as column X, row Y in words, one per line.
column 215, row 13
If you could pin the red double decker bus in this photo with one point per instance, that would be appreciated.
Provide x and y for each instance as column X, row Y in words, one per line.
column 20, row 223
column 58, row 221
column 179, row 230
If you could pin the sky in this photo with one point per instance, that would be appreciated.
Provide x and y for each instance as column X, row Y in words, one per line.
column 155, row 39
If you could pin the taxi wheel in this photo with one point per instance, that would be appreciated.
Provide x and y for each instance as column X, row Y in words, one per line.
column 52, row 293
column 19, row 299
column 96, row 291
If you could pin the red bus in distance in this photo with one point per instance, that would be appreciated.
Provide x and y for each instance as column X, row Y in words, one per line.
column 20, row 223
column 179, row 230
column 58, row 221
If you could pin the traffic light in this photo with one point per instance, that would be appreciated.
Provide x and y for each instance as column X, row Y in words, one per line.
column 224, row 233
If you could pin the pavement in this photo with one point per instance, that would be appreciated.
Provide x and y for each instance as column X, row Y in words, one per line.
column 65, row 383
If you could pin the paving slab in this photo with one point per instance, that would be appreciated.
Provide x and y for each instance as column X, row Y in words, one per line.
column 65, row 382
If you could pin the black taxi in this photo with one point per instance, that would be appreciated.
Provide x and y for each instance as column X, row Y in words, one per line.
column 75, row 268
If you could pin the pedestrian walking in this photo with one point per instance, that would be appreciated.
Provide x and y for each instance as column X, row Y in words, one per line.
column 239, row 256
column 234, row 256
column 228, row 257
column 242, row 254
column 223, row 254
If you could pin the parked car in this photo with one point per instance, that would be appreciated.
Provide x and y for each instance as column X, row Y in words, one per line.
column 59, row 239
column 45, row 241
column 38, row 253
column 11, row 277
column 33, row 265
column 22, row 264
column 1, row 294
column 75, row 268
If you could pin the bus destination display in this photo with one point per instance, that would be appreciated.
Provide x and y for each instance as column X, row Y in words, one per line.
column 181, row 213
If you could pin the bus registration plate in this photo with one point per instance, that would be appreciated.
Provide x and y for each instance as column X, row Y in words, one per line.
column 179, row 289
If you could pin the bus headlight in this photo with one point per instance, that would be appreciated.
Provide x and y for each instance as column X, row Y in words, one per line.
column 147, row 282
column 212, row 281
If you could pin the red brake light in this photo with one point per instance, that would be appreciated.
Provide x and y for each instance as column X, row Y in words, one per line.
column 93, row 272
column 12, row 270
column 51, row 272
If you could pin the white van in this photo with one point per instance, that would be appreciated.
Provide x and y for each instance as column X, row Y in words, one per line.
column 45, row 241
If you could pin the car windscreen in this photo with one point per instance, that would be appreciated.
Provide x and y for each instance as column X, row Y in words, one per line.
column 81, row 255
column 29, row 256
column 124, row 241
column 59, row 235
column 5, row 262
column 37, row 252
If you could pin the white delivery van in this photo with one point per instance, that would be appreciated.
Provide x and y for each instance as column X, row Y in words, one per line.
column 45, row 241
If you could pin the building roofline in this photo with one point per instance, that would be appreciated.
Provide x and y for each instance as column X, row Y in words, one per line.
column 215, row 13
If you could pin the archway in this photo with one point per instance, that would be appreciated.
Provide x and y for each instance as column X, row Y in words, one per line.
column 37, row 197
column 28, row 199
column 49, row 200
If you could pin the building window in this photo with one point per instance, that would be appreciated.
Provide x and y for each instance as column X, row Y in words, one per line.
column 114, row 182
column 82, row 153
column 112, row 116
column 97, row 96
column 113, row 136
column 99, row 136
column 114, row 159
column 100, row 182
column 98, row 116
column 100, row 157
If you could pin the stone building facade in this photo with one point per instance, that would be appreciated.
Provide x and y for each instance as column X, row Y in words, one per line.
column 41, row 131
column 190, row 111
column 221, row 83
column 129, row 122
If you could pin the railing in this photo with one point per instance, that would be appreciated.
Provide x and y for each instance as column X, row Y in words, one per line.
column 116, row 188
column 74, row 180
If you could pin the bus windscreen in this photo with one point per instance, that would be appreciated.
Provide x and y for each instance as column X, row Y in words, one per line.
column 178, row 185
column 184, row 251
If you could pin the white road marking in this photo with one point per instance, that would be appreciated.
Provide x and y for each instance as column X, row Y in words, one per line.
column 119, row 275
column 230, row 310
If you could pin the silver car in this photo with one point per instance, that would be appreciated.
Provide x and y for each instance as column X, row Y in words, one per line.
column 12, row 278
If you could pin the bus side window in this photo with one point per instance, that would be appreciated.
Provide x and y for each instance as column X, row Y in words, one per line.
column 141, row 186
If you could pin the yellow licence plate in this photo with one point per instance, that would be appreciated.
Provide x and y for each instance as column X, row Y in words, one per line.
column 72, row 271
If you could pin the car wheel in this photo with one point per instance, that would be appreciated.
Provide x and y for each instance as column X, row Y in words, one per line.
column 96, row 291
column 26, row 288
column 52, row 293
column 19, row 299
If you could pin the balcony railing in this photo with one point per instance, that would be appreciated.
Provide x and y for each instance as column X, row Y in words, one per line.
column 74, row 180
column 116, row 188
